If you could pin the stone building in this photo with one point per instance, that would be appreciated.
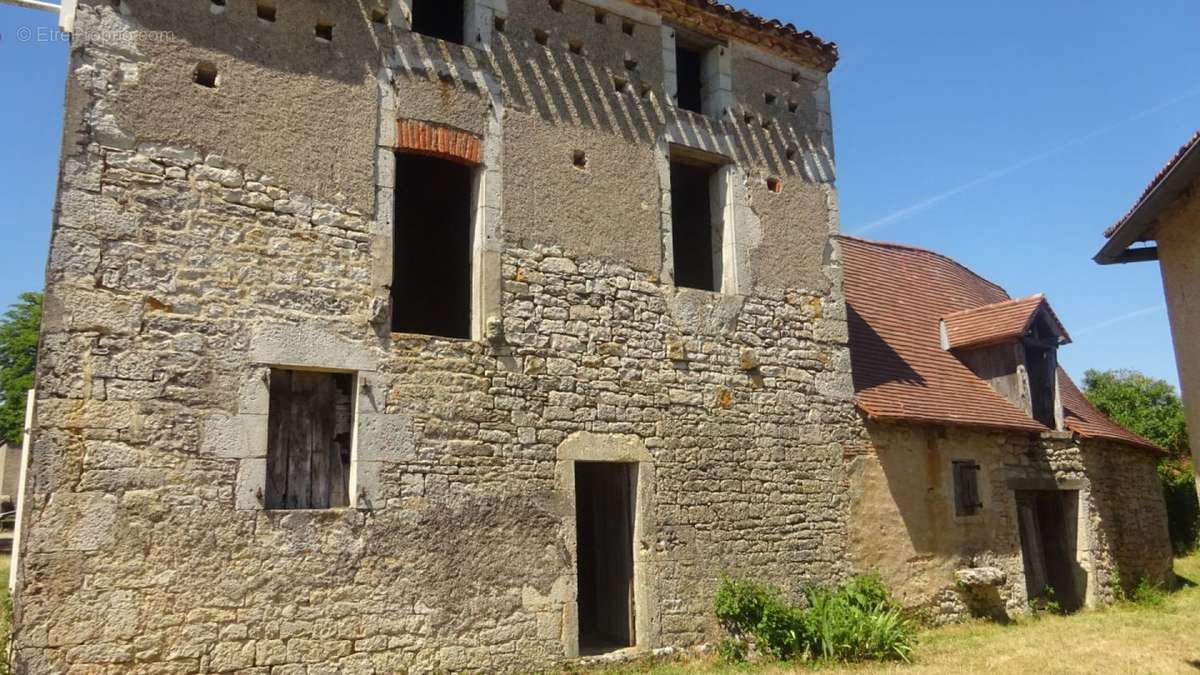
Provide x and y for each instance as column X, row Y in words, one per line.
column 1165, row 226
column 988, row 477
column 430, row 335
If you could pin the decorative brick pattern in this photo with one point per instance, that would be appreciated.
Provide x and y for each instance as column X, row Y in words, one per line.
column 438, row 141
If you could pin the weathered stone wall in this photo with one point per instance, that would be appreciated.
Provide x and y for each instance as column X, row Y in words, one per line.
column 903, row 522
column 204, row 236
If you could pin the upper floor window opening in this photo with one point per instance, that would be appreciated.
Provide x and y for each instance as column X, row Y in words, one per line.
column 441, row 19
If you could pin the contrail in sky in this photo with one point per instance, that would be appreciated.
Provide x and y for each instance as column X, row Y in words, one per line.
column 1123, row 318
column 904, row 213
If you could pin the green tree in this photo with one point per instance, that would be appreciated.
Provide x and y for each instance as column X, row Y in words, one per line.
column 19, row 329
column 1152, row 409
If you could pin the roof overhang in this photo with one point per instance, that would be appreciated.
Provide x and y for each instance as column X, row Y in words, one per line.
column 1178, row 178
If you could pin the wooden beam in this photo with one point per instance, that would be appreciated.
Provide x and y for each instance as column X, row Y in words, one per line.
column 1137, row 255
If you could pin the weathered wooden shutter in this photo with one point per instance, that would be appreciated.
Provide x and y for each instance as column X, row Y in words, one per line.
column 966, row 488
column 306, row 460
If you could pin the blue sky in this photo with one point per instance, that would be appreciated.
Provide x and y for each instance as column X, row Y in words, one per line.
column 1006, row 135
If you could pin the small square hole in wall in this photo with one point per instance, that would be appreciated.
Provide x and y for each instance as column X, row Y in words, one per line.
column 266, row 11
column 621, row 85
column 576, row 47
column 206, row 75
column 775, row 185
column 793, row 107
column 770, row 98
column 793, row 153
column 749, row 119
column 795, row 78
column 217, row 6
column 627, row 27
column 540, row 36
column 580, row 159
column 324, row 31
column 601, row 16
column 500, row 23
column 379, row 15
column 630, row 63
column 556, row 5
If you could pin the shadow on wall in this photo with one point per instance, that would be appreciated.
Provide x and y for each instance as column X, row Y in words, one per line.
column 565, row 89
column 334, row 41
column 874, row 362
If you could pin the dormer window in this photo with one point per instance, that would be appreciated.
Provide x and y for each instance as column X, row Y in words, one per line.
column 1041, row 343
column 1013, row 345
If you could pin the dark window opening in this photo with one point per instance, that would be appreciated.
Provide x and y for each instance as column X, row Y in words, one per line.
column 500, row 23
column 605, row 503
column 441, row 19
column 309, row 425
column 556, row 5
column 266, row 11
column 580, row 159
column 379, row 15
column 576, row 47
column 432, row 272
column 324, row 31
column 601, row 16
column 966, row 489
column 627, row 28
column 540, row 36
column 689, row 69
column 1042, row 366
column 206, row 75
column 695, row 245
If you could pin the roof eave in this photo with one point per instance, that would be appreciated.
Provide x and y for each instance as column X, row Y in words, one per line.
column 1137, row 226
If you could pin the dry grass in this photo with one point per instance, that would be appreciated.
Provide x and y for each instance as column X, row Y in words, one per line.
column 1123, row 639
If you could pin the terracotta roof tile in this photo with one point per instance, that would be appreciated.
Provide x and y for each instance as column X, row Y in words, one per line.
column 770, row 33
column 1082, row 418
column 897, row 296
column 997, row 322
column 1158, row 179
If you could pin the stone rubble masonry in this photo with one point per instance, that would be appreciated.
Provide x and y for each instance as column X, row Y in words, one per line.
column 903, row 522
column 203, row 236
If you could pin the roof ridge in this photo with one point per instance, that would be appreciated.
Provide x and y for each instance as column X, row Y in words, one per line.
column 1155, row 183
column 918, row 249
column 1040, row 297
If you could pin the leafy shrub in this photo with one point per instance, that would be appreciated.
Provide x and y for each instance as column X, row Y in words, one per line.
column 1148, row 594
column 1183, row 510
column 856, row 621
column 732, row 650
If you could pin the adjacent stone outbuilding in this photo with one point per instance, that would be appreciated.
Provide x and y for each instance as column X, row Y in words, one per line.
column 987, row 479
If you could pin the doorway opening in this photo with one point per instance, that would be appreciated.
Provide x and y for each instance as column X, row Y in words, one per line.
column 1048, row 529
column 605, row 503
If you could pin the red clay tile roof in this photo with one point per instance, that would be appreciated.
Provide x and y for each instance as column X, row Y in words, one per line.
column 1158, row 179
column 770, row 33
column 997, row 322
column 896, row 298
column 1082, row 418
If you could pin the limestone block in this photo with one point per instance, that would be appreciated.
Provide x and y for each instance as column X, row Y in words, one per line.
column 976, row 577
column 77, row 521
column 251, row 483
column 235, row 437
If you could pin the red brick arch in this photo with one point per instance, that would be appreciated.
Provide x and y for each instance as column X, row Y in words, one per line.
column 439, row 140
